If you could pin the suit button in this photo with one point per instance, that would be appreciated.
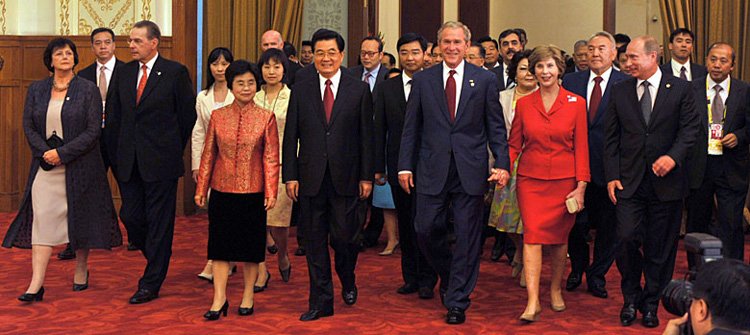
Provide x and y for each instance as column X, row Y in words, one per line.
column 328, row 133
column 325, row 155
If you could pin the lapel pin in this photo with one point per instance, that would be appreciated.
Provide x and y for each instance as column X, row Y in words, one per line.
column 572, row 99
column 67, row 98
column 669, row 85
column 471, row 82
column 158, row 73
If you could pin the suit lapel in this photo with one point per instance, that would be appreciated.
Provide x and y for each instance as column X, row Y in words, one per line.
column 438, row 91
column 129, row 79
column 605, row 99
column 467, row 89
column 153, row 78
column 340, row 95
column 398, row 91
column 702, row 104
column 318, row 100
column 661, row 95
column 632, row 96
column 731, row 104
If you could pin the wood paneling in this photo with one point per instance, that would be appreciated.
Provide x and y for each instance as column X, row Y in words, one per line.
column 476, row 15
column 23, row 66
column 422, row 17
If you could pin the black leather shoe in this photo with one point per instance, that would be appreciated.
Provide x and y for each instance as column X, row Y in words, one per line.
column 598, row 291
column 455, row 316
column 650, row 320
column 244, row 311
column 299, row 252
column 143, row 295
column 408, row 288
column 214, row 315
column 627, row 314
column 273, row 249
column 132, row 247
column 426, row 293
column 38, row 296
column 574, row 280
column 315, row 314
column 497, row 252
column 285, row 274
column 66, row 254
column 350, row 297
column 81, row 287
column 258, row 289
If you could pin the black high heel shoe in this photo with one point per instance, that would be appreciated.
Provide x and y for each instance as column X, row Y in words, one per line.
column 244, row 311
column 214, row 315
column 257, row 289
column 81, row 287
column 273, row 249
column 286, row 273
column 38, row 296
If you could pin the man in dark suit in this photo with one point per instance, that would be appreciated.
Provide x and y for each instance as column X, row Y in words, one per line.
column 595, row 86
column 681, row 42
column 331, row 118
column 150, row 116
column 580, row 57
column 452, row 115
column 510, row 43
column 651, row 124
column 100, row 73
column 390, row 108
column 719, row 159
column 305, row 53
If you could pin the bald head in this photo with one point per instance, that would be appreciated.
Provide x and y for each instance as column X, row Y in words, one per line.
column 271, row 39
column 642, row 57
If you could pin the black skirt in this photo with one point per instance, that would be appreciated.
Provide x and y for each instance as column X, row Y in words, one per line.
column 236, row 227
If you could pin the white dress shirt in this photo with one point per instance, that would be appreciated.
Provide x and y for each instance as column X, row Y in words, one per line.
column 335, row 80
column 653, row 86
column 149, row 66
column 603, row 85
column 109, row 67
column 407, row 86
column 710, row 93
column 373, row 76
column 676, row 67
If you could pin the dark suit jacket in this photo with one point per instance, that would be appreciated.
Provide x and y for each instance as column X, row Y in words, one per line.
column 698, row 71
column 89, row 73
column 735, row 122
column 429, row 139
column 577, row 82
column 156, row 130
column 498, row 71
column 344, row 145
column 291, row 72
column 390, row 109
column 630, row 146
column 358, row 70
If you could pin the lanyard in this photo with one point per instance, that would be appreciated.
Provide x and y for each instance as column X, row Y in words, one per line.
column 708, row 101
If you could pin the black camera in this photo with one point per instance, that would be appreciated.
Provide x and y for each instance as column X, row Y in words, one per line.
column 678, row 294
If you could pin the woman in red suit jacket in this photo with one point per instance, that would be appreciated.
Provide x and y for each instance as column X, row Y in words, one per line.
column 550, row 130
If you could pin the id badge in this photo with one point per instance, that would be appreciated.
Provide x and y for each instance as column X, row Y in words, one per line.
column 715, row 133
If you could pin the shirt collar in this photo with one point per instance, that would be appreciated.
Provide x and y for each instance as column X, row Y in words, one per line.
column 405, row 79
column 654, row 80
column 676, row 66
column 150, row 64
column 334, row 80
column 459, row 69
column 605, row 75
column 374, row 73
column 724, row 84
column 110, row 64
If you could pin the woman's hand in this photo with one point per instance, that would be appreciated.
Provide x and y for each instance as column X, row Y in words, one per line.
column 52, row 157
column 269, row 203
column 578, row 195
column 200, row 201
column 195, row 176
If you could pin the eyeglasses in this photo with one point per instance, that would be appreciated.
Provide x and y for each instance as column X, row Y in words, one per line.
column 368, row 53
column 322, row 54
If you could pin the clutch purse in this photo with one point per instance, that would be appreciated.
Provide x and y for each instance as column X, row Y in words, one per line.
column 572, row 205
column 53, row 142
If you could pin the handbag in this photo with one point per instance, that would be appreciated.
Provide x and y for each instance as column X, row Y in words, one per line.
column 53, row 142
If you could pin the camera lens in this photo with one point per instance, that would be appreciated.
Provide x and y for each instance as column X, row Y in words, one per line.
column 677, row 297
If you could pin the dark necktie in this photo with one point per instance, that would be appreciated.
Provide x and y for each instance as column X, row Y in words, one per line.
column 408, row 83
column 450, row 94
column 646, row 102
column 596, row 98
column 683, row 73
column 328, row 100
column 717, row 106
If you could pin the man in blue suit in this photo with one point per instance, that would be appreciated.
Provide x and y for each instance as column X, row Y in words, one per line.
column 594, row 84
column 452, row 114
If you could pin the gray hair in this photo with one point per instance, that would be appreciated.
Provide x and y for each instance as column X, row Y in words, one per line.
column 605, row 35
column 580, row 43
column 455, row 24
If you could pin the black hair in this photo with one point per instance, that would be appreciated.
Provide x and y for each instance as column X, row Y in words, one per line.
column 53, row 45
column 680, row 31
column 307, row 43
column 622, row 38
column 508, row 32
column 434, row 45
column 411, row 37
column 152, row 30
column 392, row 61
column 622, row 49
column 725, row 286
column 326, row 35
column 212, row 57
column 272, row 54
column 373, row 38
column 513, row 66
column 101, row 30
column 482, row 52
column 521, row 34
column 289, row 49
column 488, row 39
column 393, row 70
column 716, row 44
column 240, row 67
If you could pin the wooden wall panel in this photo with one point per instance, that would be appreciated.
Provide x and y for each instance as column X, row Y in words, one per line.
column 476, row 15
column 422, row 17
column 23, row 65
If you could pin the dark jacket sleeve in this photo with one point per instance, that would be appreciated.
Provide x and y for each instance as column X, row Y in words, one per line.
column 34, row 135
column 291, row 137
column 410, row 136
column 185, row 104
column 380, row 129
column 91, row 106
column 366, row 146
column 612, row 140
column 689, row 126
column 495, row 121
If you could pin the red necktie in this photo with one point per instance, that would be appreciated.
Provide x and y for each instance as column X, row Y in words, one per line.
column 142, row 83
column 596, row 98
column 450, row 94
column 328, row 100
